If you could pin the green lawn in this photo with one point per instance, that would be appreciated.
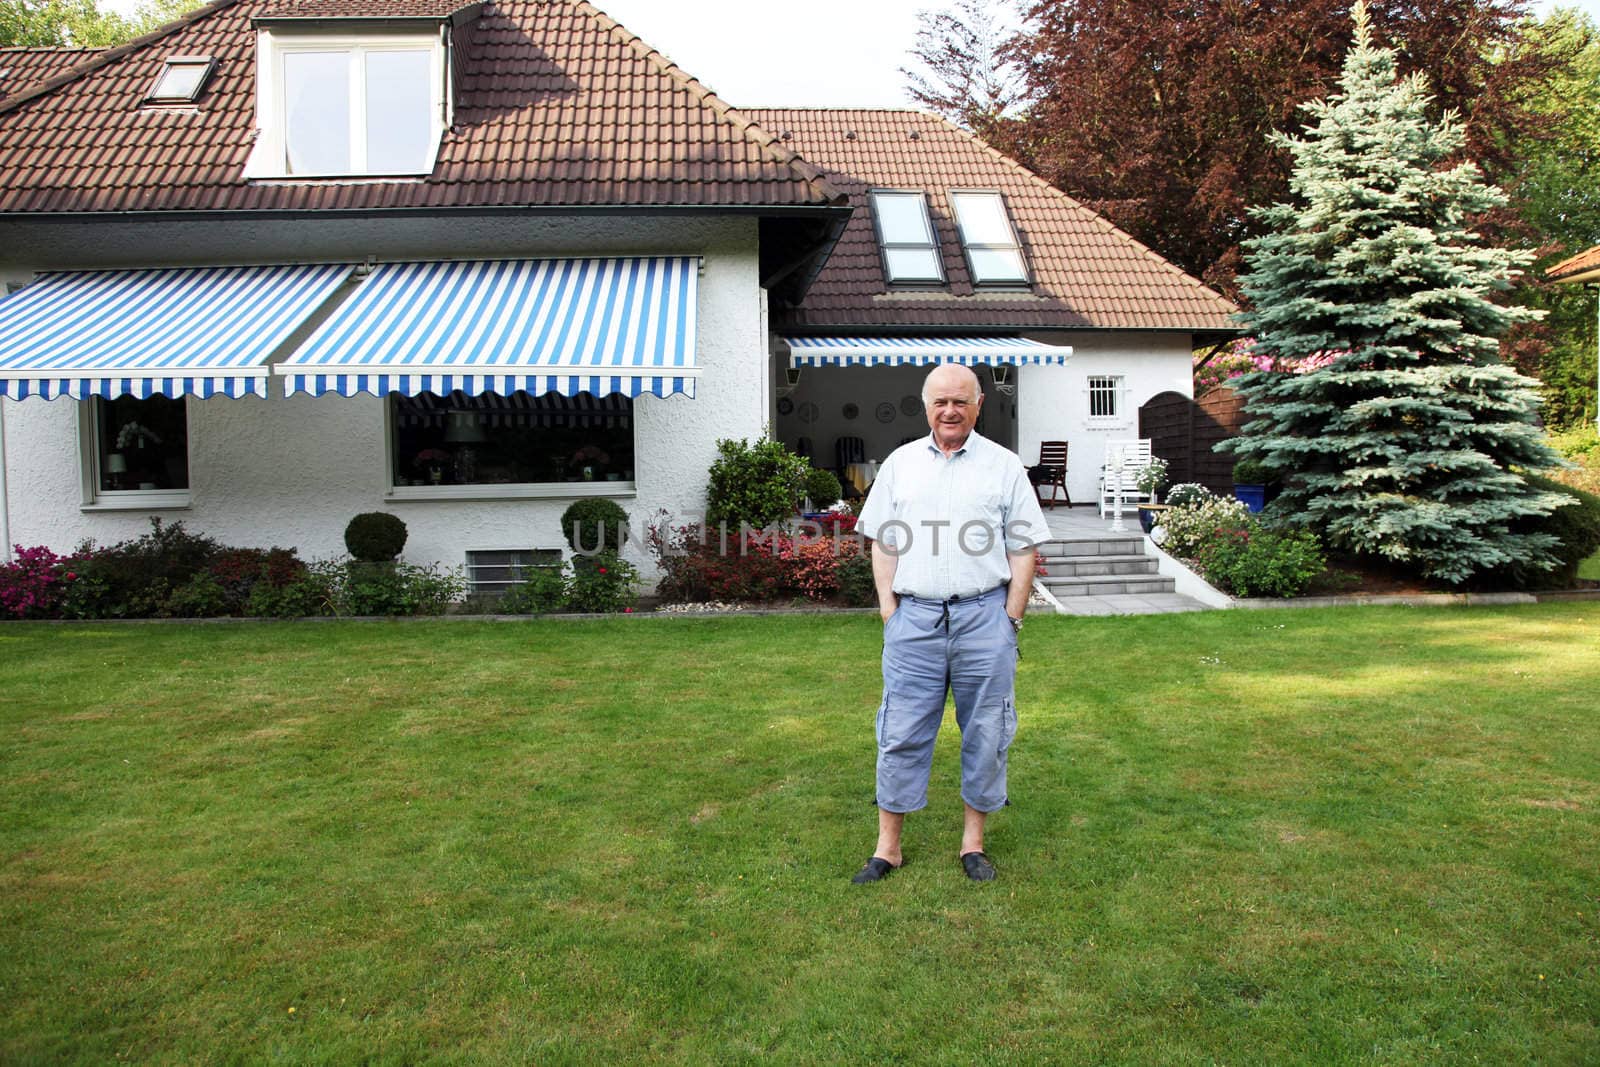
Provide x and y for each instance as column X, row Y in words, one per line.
column 1336, row 836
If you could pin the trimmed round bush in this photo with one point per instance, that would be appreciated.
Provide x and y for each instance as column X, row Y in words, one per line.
column 595, row 524
column 823, row 488
column 755, row 485
column 375, row 537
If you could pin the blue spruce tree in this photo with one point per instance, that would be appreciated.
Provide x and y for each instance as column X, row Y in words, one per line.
column 1405, row 443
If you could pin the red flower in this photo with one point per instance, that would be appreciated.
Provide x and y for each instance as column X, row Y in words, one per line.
column 602, row 570
column 627, row 611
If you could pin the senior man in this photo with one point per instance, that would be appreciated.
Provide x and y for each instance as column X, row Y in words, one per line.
column 953, row 522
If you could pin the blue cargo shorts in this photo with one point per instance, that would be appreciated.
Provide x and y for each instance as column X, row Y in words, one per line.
column 966, row 647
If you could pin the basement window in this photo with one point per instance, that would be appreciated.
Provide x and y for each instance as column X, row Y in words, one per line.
column 180, row 80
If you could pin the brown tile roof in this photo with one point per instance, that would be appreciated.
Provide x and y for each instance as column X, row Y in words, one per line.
column 1582, row 263
column 359, row 9
column 557, row 105
column 1086, row 272
column 24, row 68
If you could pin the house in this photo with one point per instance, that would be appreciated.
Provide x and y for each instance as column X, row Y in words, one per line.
column 1581, row 269
column 954, row 251
column 283, row 261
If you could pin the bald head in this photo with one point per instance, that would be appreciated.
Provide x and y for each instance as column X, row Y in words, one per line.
column 951, row 376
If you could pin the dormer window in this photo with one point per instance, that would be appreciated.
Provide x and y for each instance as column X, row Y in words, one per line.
column 905, row 233
column 335, row 105
column 993, row 253
column 180, row 80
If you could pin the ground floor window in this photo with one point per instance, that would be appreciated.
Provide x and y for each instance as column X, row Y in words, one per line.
column 517, row 439
column 1105, row 396
column 140, row 444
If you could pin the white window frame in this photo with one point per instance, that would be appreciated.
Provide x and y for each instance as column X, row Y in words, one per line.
column 967, row 245
column 885, row 246
column 270, row 156
column 489, row 491
column 1113, row 385
column 97, row 499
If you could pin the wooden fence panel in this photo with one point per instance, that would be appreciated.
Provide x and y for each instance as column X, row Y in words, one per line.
column 1184, row 432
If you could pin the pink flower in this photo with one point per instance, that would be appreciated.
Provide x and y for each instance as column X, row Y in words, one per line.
column 627, row 611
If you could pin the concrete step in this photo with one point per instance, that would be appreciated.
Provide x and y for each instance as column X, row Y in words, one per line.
column 1107, row 585
column 1080, row 566
column 1077, row 547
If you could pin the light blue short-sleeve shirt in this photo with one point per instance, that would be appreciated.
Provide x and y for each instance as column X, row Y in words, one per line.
column 950, row 521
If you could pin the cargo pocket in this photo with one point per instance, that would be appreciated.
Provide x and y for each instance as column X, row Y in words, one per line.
column 877, row 726
column 1008, row 724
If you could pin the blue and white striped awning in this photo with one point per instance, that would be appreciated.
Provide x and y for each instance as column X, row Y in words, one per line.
column 200, row 330
column 566, row 326
column 919, row 351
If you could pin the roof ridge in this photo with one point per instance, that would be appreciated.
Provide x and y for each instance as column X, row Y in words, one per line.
column 812, row 175
column 1099, row 219
column 111, row 55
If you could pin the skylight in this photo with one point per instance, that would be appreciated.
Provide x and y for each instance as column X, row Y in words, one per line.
column 910, row 250
column 993, row 252
column 180, row 80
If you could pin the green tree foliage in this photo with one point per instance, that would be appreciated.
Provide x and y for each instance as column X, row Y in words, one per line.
column 80, row 23
column 1405, row 444
column 1556, row 190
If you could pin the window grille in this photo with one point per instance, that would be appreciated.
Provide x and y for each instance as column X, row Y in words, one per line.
column 496, row 570
column 1105, row 397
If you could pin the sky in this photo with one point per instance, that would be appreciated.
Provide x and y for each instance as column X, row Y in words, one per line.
column 824, row 53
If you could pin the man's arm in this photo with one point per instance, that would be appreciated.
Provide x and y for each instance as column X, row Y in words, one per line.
column 884, row 562
column 1021, row 564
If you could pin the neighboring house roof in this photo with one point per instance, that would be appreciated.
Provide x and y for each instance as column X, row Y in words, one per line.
column 23, row 68
column 1085, row 272
column 1578, row 268
column 557, row 105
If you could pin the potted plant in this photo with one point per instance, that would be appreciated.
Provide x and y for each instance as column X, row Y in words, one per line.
column 1250, row 479
column 1151, row 479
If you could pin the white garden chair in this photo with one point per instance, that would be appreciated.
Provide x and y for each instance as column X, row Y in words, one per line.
column 1119, row 477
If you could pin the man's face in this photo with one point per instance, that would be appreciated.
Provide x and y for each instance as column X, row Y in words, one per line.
column 953, row 401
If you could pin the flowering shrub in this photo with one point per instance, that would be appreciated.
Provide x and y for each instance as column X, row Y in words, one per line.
column 1188, row 493
column 601, row 583
column 1243, row 357
column 1237, row 553
column 1193, row 525
column 32, row 585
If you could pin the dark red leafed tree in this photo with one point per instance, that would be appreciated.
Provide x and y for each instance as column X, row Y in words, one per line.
column 1158, row 113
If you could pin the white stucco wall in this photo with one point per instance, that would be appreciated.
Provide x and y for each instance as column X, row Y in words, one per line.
column 292, row 471
column 1053, row 402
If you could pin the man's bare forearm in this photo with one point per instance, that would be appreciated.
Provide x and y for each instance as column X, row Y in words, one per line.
column 884, row 564
column 1021, row 564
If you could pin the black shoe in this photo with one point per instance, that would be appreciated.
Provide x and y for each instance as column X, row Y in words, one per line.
column 874, row 870
column 978, row 867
